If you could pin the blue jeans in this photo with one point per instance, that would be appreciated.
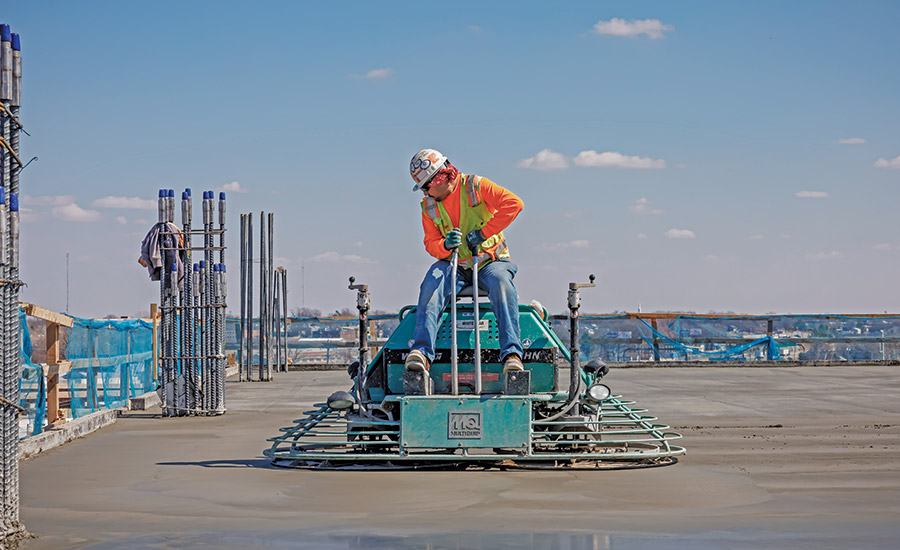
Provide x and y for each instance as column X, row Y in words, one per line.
column 435, row 293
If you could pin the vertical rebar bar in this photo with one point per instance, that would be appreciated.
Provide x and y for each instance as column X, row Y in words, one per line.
column 276, row 322
column 263, row 366
column 162, row 374
column 9, row 373
column 220, row 319
column 207, row 268
column 270, row 305
column 250, row 296
column 196, row 338
column 242, row 356
column 284, row 317
column 187, row 310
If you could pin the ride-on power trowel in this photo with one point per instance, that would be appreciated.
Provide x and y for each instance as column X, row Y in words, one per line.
column 464, row 413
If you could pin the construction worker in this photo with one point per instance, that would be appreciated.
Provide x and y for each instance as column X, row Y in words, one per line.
column 466, row 213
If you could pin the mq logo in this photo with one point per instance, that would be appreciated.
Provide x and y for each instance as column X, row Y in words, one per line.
column 464, row 425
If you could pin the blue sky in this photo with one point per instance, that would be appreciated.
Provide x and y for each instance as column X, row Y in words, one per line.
column 702, row 156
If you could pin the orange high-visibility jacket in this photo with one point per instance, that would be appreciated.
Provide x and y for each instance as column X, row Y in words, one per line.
column 489, row 207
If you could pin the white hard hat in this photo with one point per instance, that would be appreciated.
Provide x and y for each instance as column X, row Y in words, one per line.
column 424, row 165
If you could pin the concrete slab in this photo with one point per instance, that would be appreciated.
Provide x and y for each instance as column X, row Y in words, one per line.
column 787, row 458
column 70, row 431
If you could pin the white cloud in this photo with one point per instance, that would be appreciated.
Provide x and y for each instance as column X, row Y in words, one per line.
column 233, row 187
column 375, row 74
column 653, row 28
column 716, row 259
column 617, row 160
column 757, row 237
column 141, row 221
column 358, row 244
column 48, row 200
column 549, row 247
column 851, row 141
column 811, row 194
column 884, row 163
column 135, row 203
column 641, row 236
column 882, row 246
column 121, row 219
column 821, row 256
column 545, row 160
column 474, row 29
column 74, row 213
column 640, row 207
column 331, row 257
column 680, row 234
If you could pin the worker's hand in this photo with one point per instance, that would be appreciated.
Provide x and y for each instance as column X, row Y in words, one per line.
column 473, row 239
column 453, row 239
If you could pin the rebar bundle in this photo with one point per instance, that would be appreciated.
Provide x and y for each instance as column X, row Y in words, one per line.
column 10, row 165
column 272, row 304
column 192, row 308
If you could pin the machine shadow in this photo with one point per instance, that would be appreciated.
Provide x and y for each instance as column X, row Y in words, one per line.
column 262, row 463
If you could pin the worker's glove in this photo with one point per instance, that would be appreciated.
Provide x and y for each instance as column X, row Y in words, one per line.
column 453, row 239
column 473, row 239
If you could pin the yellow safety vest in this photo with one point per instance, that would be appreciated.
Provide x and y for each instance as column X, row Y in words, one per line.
column 474, row 214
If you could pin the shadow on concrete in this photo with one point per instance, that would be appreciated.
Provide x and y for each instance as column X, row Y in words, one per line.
column 265, row 463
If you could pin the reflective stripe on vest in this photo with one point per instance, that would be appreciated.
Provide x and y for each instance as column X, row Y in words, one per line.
column 473, row 190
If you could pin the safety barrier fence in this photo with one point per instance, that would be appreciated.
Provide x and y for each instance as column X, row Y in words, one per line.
column 642, row 337
column 655, row 337
column 89, row 365
column 95, row 364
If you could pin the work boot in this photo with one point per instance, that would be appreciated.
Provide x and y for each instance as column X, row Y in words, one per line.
column 416, row 361
column 512, row 362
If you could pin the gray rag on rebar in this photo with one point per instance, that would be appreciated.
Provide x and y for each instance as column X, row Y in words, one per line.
column 151, row 255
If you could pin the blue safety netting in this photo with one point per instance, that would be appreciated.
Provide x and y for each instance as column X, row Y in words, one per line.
column 32, row 388
column 631, row 338
column 111, row 362
column 736, row 338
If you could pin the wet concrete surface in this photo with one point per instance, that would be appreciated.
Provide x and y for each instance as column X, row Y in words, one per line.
column 778, row 457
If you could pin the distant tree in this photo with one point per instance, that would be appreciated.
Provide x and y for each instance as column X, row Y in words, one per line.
column 346, row 312
column 305, row 312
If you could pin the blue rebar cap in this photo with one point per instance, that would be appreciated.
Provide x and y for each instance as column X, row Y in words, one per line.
column 223, row 268
column 17, row 44
column 5, row 33
column 2, row 195
column 174, row 267
column 196, row 268
column 13, row 202
column 216, row 267
column 188, row 191
column 162, row 193
column 184, row 195
column 172, row 193
column 202, row 264
column 222, row 196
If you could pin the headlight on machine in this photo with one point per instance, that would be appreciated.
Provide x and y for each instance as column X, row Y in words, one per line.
column 341, row 400
column 597, row 393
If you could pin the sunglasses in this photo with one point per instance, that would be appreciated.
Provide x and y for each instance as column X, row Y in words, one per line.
column 437, row 179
